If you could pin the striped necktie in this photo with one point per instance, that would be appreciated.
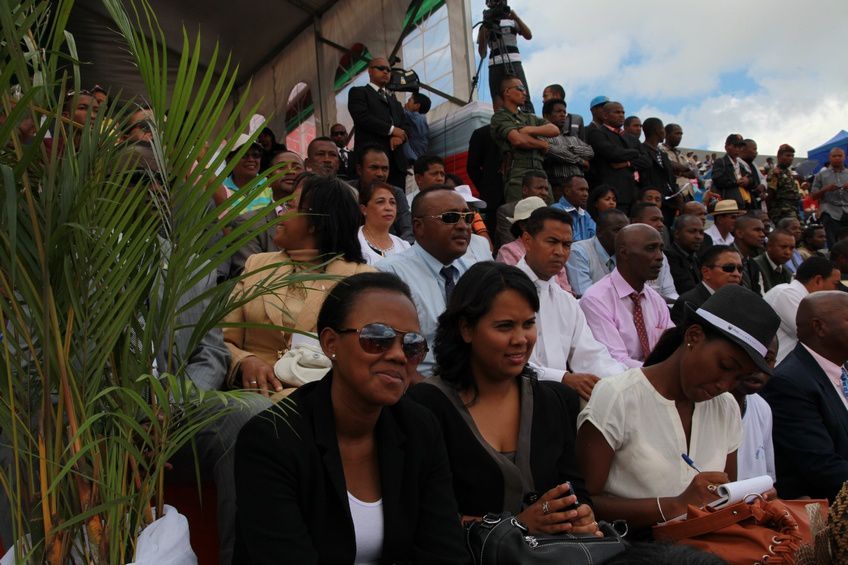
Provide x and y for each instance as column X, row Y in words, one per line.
column 844, row 378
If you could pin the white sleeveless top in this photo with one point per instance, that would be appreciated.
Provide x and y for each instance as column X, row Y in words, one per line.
column 368, row 530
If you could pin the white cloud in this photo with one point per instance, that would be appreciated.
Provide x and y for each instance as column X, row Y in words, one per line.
column 674, row 53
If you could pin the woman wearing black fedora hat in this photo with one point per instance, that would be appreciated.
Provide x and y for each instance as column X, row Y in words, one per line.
column 656, row 439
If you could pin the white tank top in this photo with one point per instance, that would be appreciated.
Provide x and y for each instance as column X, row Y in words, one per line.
column 367, row 529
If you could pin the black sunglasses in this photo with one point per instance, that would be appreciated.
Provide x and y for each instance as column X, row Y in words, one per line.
column 730, row 267
column 378, row 338
column 453, row 217
column 383, row 68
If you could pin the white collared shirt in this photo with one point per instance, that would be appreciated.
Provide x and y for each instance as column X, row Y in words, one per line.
column 784, row 299
column 565, row 342
column 713, row 232
column 833, row 372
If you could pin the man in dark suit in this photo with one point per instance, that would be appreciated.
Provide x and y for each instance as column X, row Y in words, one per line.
column 378, row 118
column 772, row 263
column 720, row 265
column 484, row 170
column 657, row 172
column 617, row 156
column 730, row 175
column 808, row 395
column 682, row 255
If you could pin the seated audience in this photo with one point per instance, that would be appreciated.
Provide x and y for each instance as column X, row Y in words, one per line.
column 755, row 457
column 724, row 219
column 793, row 226
column 814, row 275
column 808, row 395
column 379, row 210
column 720, row 265
column 593, row 259
column 772, row 263
column 623, row 312
column 441, row 221
column 649, row 214
column 575, row 193
column 510, row 437
column 533, row 183
column 813, row 242
column 268, row 140
column 322, row 156
column 565, row 349
column 291, row 166
column 245, row 171
column 601, row 198
column 373, row 166
column 350, row 471
column 321, row 237
column 650, row 195
column 636, row 425
column 749, row 238
column 839, row 256
column 687, row 236
column 429, row 171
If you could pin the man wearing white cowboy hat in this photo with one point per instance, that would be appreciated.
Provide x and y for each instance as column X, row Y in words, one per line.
column 724, row 218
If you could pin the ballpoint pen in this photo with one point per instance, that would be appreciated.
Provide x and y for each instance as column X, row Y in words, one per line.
column 689, row 461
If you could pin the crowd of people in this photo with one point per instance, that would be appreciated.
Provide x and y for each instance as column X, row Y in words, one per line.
column 546, row 340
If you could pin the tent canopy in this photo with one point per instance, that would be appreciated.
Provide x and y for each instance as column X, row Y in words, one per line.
column 821, row 152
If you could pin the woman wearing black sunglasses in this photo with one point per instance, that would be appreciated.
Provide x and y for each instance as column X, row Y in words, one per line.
column 510, row 437
column 350, row 472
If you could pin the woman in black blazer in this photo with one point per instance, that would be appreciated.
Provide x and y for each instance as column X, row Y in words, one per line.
column 348, row 471
column 510, row 437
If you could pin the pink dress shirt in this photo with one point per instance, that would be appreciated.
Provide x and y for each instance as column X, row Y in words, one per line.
column 513, row 252
column 609, row 313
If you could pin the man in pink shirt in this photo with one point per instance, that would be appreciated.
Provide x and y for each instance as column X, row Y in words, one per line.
column 625, row 314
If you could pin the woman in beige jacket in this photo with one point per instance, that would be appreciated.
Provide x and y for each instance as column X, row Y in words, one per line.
column 318, row 238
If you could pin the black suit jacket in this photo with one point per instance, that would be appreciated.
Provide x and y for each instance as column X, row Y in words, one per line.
column 484, row 167
column 478, row 481
column 810, row 428
column 292, row 499
column 694, row 297
column 724, row 181
column 372, row 118
column 611, row 147
column 684, row 268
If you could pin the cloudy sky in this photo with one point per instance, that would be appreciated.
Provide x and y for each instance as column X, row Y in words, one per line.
column 772, row 70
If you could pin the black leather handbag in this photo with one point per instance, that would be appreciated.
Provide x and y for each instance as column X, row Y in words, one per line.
column 501, row 539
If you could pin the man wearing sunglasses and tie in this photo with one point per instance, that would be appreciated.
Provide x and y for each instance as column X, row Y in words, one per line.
column 721, row 265
column 519, row 137
column 441, row 223
column 378, row 118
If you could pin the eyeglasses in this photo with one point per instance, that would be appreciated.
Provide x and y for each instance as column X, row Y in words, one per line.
column 378, row 338
column 729, row 267
column 452, row 217
column 519, row 88
column 383, row 68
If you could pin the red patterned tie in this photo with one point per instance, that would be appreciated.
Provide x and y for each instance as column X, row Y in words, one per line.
column 639, row 321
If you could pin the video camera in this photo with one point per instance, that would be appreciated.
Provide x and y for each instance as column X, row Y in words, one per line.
column 495, row 11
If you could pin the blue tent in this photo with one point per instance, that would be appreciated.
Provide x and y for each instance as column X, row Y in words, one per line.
column 821, row 152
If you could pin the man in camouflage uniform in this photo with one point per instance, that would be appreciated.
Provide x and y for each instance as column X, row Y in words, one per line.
column 517, row 135
column 783, row 194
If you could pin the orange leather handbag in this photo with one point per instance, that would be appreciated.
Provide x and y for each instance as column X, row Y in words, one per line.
column 764, row 532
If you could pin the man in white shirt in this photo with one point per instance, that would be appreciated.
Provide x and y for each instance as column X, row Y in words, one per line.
column 565, row 349
column 724, row 220
column 808, row 395
column 814, row 275
column 441, row 222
